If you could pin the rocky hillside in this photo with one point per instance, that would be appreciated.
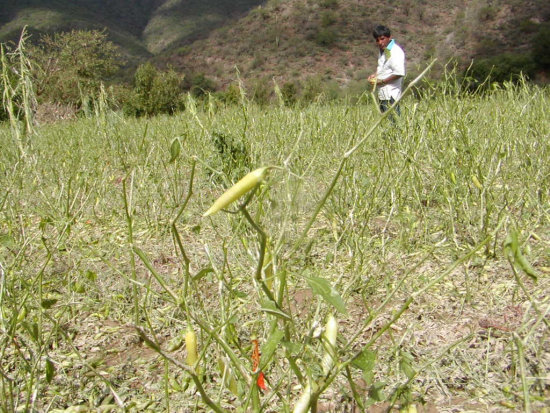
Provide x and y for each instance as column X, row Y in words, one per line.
column 289, row 39
column 332, row 38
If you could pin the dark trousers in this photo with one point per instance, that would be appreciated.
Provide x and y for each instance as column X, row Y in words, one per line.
column 385, row 105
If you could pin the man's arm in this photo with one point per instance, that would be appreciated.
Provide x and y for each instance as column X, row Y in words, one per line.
column 389, row 79
column 374, row 79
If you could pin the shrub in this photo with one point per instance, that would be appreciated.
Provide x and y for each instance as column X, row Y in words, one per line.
column 328, row 18
column 289, row 93
column 232, row 154
column 312, row 88
column 257, row 61
column 231, row 95
column 201, row 85
column 490, row 47
column 154, row 92
column 73, row 64
column 326, row 36
column 527, row 26
column 487, row 13
column 502, row 68
column 329, row 4
column 261, row 91
column 541, row 46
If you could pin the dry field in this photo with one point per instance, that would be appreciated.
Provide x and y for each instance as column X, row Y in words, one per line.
column 427, row 240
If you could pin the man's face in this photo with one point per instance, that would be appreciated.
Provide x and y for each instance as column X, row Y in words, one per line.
column 383, row 41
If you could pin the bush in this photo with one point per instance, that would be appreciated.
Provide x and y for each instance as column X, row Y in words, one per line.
column 328, row 18
column 541, row 47
column 154, row 92
column 326, row 36
column 201, row 85
column 289, row 93
column 502, row 68
column 329, row 4
column 73, row 64
column 312, row 89
column 487, row 13
column 261, row 91
column 232, row 154
column 232, row 95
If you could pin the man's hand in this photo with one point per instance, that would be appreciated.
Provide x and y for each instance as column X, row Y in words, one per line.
column 373, row 80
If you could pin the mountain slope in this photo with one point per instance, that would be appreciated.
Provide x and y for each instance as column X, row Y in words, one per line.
column 56, row 15
column 288, row 39
column 178, row 22
column 141, row 27
column 332, row 38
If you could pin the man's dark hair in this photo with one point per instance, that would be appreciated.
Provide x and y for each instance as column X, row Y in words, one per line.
column 381, row 31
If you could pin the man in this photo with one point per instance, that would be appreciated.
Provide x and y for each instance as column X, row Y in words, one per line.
column 391, row 68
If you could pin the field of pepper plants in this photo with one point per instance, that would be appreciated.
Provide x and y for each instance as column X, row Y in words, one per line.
column 371, row 264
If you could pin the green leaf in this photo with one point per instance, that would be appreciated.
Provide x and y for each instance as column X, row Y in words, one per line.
column 366, row 362
column 50, row 371
column 231, row 334
column 32, row 329
column 322, row 287
column 175, row 149
column 375, row 391
column 293, row 348
column 268, row 349
column 202, row 273
column 48, row 303
column 526, row 266
column 405, row 365
column 7, row 241
column 44, row 222
column 79, row 288
column 270, row 308
column 239, row 294
column 90, row 275
column 511, row 243
column 512, row 248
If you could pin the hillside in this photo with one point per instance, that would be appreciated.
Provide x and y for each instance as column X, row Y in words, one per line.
column 289, row 40
column 141, row 28
column 331, row 38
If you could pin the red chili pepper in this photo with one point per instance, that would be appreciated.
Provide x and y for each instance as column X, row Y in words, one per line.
column 261, row 381
column 256, row 364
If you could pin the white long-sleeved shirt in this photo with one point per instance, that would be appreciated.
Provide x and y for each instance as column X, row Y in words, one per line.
column 391, row 62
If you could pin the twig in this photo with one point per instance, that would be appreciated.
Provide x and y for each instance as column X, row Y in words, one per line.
column 523, row 373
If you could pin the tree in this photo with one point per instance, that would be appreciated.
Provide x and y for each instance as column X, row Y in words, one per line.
column 154, row 92
column 72, row 65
